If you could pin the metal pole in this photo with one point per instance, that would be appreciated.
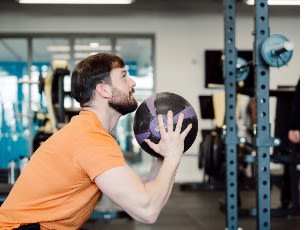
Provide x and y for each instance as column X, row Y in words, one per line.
column 263, row 140
column 29, row 112
column 231, row 139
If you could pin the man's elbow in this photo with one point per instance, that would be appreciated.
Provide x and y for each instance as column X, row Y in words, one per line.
column 148, row 216
column 146, row 211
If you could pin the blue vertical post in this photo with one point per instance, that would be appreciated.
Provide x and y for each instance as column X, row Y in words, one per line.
column 263, row 140
column 231, row 139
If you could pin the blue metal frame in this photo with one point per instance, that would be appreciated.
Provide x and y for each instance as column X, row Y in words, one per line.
column 263, row 139
column 231, row 139
column 14, row 144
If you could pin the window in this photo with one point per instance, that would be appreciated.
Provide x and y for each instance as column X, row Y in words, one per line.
column 22, row 96
column 15, row 131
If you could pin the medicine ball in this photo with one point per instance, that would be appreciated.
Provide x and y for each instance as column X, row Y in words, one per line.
column 145, row 124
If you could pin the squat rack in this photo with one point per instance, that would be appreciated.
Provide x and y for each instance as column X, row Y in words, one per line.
column 263, row 140
column 230, row 131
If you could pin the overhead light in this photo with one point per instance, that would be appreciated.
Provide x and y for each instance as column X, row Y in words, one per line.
column 75, row 1
column 92, row 46
column 83, row 55
column 278, row 2
column 58, row 48
column 61, row 56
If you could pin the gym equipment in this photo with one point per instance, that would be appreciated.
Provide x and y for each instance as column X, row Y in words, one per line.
column 231, row 140
column 274, row 51
column 242, row 68
column 214, row 78
column 263, row 140
column 55, row 94
column 211, row 154
column 277, row 50
column 212, row 143
column 39, row 138
column 146, row 122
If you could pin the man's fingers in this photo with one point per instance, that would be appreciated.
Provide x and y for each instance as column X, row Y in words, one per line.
column 161, row 125
column 186, row 131
column 170, row 122
column 152, row 145
column 179, row 123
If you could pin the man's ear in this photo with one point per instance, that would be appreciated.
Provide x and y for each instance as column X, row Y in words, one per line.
column 104, row 90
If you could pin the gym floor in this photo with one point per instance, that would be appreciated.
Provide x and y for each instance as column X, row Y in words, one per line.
column 199, row 210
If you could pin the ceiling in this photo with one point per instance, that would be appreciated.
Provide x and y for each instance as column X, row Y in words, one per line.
column 139, row 6
column 16, row 49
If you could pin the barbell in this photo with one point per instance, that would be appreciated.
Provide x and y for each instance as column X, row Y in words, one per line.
column 276, row 51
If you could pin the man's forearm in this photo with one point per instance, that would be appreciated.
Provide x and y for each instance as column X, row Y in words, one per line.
column 155, row 168
column 160, row 188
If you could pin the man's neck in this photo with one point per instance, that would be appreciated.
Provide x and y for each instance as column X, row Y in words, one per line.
column 109, row 118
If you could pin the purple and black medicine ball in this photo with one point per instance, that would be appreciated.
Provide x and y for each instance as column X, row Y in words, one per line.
column 145, row 124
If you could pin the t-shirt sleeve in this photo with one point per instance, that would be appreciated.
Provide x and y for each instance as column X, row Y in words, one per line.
column 97, row 159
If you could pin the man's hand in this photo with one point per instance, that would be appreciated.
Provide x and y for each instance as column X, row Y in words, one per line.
column 171, row 143
column 294, row 136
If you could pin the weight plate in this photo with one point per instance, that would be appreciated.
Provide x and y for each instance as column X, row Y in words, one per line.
column 275, row 43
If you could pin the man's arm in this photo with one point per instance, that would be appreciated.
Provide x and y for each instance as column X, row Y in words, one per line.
column 141, row 201
column 144, row 201
column 154, row 170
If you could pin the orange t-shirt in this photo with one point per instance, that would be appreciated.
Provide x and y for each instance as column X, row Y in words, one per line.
column 57, row 189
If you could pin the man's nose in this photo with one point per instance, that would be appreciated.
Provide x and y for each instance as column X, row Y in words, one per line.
column 132, row 82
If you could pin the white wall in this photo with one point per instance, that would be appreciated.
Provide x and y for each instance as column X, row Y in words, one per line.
column 180, row 44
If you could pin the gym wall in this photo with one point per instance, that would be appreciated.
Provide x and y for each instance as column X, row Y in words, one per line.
column 180, row 38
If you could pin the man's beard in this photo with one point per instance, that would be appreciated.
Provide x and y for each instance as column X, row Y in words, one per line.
column 121, row 102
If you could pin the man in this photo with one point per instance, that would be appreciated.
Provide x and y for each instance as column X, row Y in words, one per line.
column 289, row 189
column 294, row 132
column 67, row 174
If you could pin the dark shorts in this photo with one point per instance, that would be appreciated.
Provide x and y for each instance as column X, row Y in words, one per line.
column 28, row 227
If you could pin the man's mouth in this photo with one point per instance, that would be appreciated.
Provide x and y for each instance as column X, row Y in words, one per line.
column 131, row 92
